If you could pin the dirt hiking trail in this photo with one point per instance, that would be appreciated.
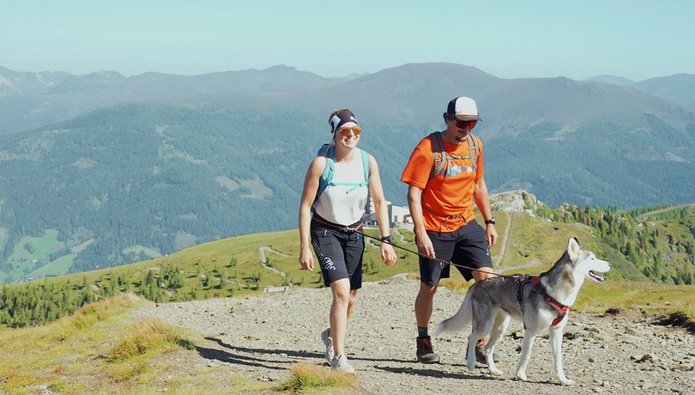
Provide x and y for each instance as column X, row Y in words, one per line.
column 262, row 337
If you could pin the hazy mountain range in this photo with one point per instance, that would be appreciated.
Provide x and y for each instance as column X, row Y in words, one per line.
column 679, row 88
column 29, row 100
column 102, row 169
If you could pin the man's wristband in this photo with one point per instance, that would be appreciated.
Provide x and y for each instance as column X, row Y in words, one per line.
column 388, row 239
column 490, row 221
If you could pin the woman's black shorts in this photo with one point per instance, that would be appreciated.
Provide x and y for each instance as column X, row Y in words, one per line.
column 466, row 246
column 339, row 253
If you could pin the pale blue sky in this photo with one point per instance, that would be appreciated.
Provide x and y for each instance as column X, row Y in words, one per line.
column 636, row 39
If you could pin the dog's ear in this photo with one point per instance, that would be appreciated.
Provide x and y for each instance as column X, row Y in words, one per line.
column 573, row 248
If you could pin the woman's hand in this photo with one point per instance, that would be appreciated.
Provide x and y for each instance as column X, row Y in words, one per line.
column 306, row 259
column 387, row 254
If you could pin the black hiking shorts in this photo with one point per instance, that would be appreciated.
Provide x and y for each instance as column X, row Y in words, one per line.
column 339, row 253
column 466, row 246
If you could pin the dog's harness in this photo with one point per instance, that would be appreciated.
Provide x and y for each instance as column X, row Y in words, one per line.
column 561, row 309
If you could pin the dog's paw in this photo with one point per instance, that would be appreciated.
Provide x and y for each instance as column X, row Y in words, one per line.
column 521, row 376
column 566, row 381
column 470, row 366
column 496, row 372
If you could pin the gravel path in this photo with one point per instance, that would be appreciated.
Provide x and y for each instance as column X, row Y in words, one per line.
column 505, row 239
column 264, row 260
column 261, row 337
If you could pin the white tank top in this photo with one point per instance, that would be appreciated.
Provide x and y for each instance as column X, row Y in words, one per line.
column 344, row 204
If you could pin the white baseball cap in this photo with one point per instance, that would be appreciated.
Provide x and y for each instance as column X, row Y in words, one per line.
column 463, row 108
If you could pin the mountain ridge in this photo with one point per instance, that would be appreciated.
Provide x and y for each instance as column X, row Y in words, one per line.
column 57, row 96
column 155, row 176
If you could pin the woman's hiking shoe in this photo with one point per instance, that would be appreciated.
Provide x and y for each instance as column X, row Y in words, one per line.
column 341, row 364
column 328, row 342
column 425, row 354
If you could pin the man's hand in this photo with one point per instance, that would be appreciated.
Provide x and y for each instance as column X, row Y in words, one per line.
column 424, row 245
column 491, row 233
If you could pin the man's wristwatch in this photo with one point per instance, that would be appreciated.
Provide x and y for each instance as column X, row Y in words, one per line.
column 490, row 221
column 388, row 239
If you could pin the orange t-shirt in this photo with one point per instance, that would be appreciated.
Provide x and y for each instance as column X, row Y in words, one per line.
column 447, row 200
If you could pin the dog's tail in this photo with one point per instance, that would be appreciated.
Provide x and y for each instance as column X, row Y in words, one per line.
column 462, row 319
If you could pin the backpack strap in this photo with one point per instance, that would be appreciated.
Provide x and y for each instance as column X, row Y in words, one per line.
column 326, row 178
column 439, row 153
column 365, row 164
column 365, row 167
column 327, row 175
column 442, row 159
column 472, row 147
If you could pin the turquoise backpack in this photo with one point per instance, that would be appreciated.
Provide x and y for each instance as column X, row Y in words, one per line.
column 327, row 176
column 442, row 160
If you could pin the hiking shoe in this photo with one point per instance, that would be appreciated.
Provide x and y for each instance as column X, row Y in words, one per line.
column 341, row 364
column 425, row 354
column 328, row 342
column 480, row 354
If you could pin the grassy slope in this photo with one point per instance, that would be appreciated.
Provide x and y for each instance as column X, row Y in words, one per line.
column 215, row 259
column 103, row 348
column 33, row 250
column 532, row 246
column 527, row 237
column 531, row 241
column 656, row 213
column 56, row 267
column 233, row 266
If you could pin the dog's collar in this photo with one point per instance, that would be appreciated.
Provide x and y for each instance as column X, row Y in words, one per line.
column 561, row 309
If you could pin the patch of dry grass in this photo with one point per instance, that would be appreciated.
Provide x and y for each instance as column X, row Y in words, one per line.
column 148, row 336
column 91, row 313
column 55, row 355
column 306, row 377
column 104, row 347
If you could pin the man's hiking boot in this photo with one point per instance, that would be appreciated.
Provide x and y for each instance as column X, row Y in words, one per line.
column 425, row 354
column 341, row 364
column 328, row 342
column 480, row 354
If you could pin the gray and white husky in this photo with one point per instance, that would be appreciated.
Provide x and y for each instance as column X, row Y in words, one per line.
column 539, row 302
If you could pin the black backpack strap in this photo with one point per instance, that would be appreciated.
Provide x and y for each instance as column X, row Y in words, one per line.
column 473, row 147
column 442, row 158
column 439, row 153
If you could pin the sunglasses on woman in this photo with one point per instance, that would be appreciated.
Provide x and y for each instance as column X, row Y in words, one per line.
column 345, row 132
